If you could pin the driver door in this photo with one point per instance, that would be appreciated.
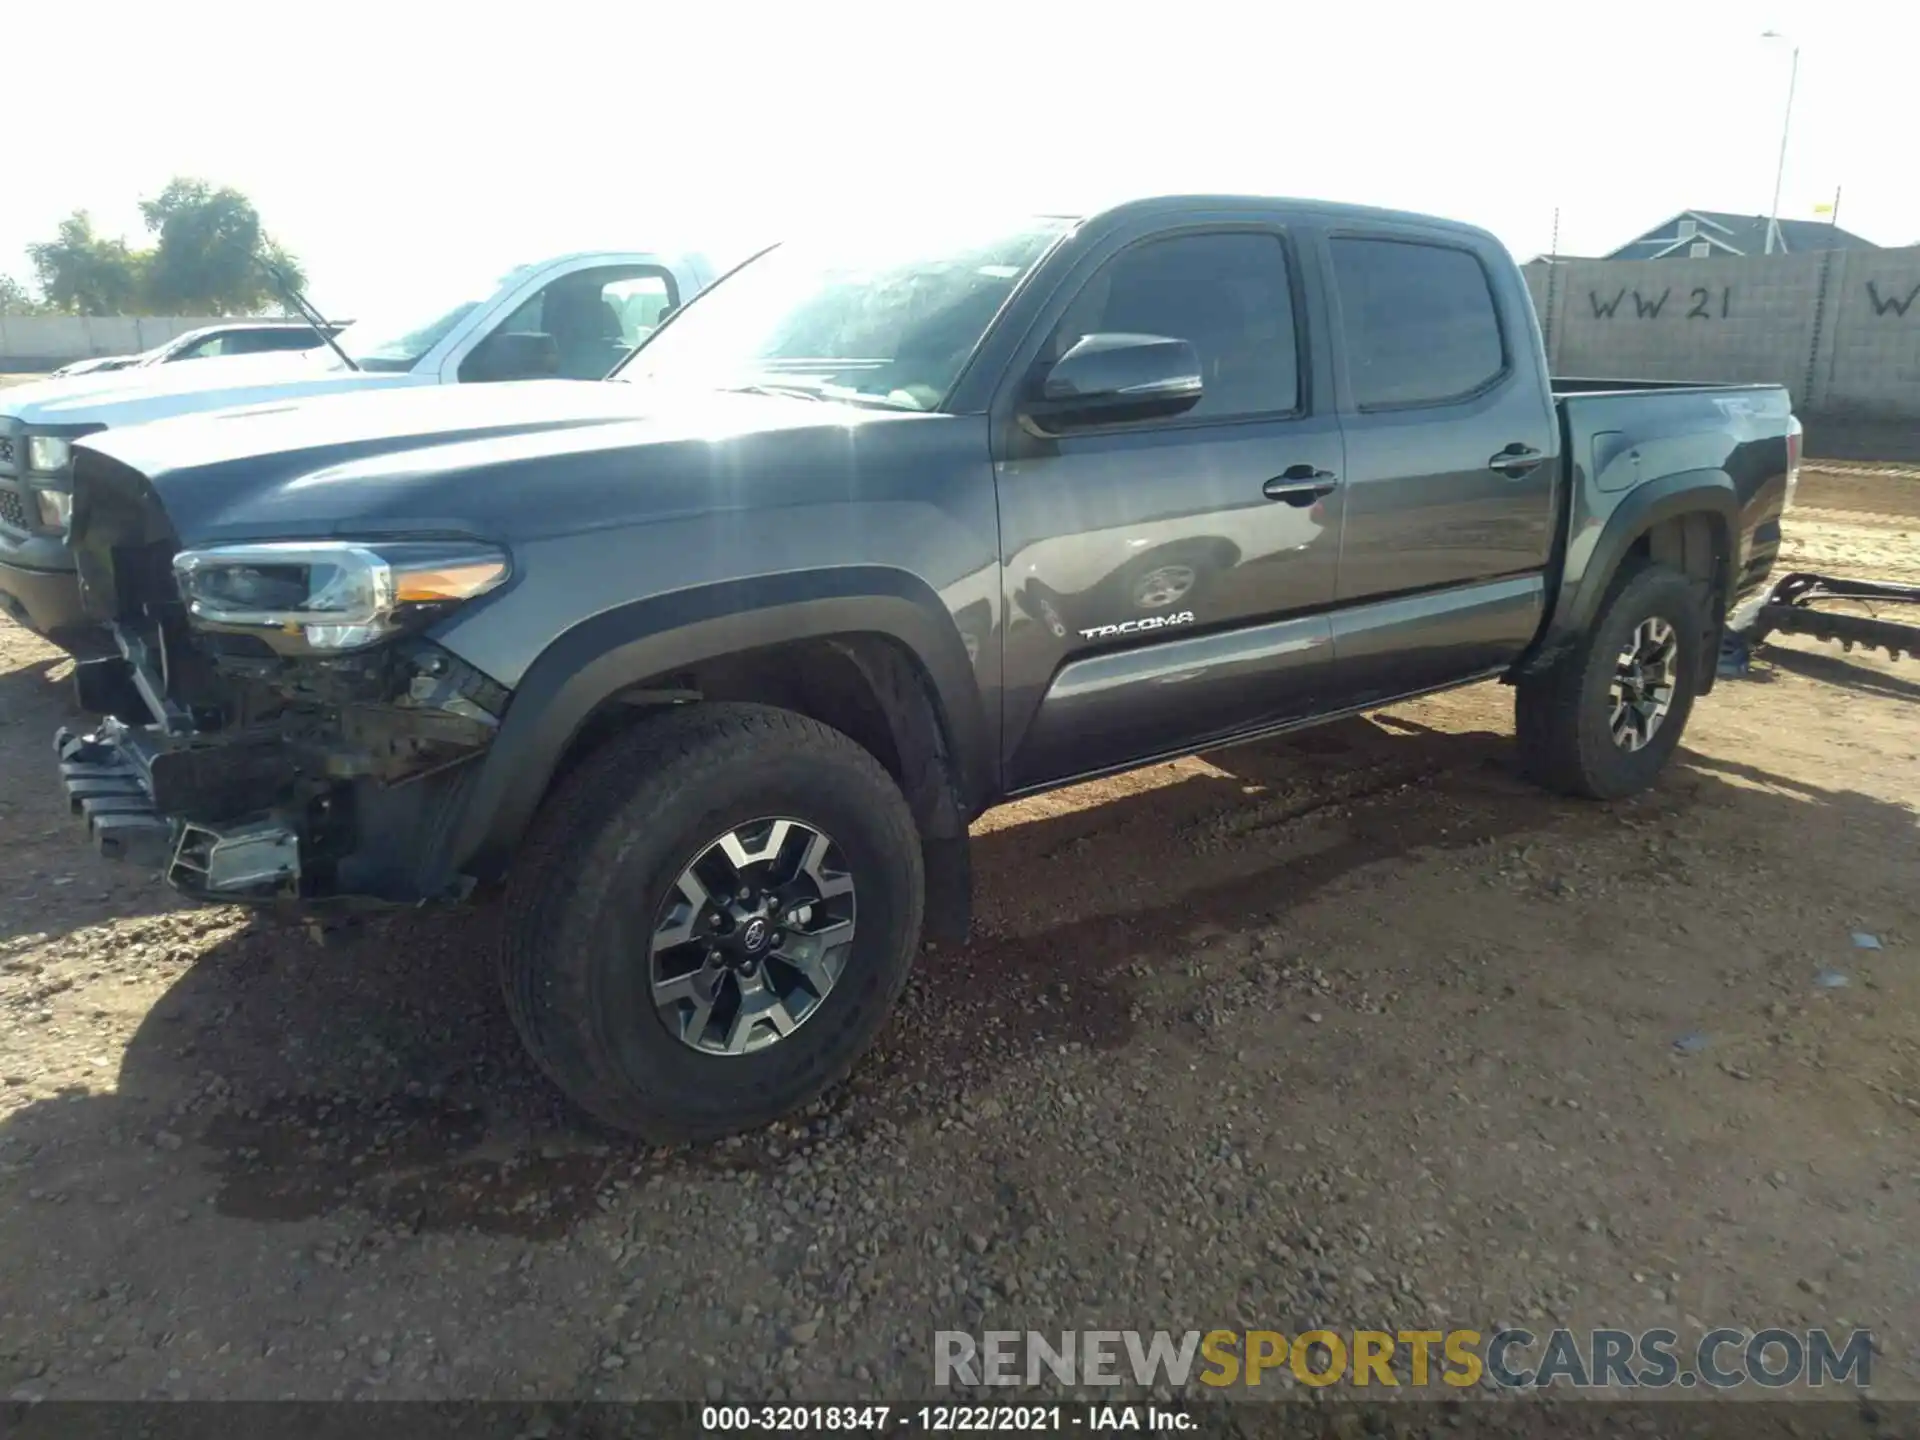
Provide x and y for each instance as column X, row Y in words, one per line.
column 1167, row 582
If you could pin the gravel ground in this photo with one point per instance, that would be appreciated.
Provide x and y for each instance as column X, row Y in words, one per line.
column 1352, row 1029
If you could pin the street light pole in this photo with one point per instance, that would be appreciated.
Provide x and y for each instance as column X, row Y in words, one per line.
column 1786, row 129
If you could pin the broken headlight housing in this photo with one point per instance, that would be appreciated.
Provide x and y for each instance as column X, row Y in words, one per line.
column 54, row 509
column 333, row 595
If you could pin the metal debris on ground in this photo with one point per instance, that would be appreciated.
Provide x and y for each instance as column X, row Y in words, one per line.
column 1831, row 980
column 1864, row 941
column 1736, row 657
column 1692, row 1043
column 1791, row 608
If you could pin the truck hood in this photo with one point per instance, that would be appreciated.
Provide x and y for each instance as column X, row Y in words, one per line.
column 508, row 461
column 157, row 392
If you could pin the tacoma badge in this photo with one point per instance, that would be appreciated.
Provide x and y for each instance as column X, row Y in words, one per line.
column 1149, row 622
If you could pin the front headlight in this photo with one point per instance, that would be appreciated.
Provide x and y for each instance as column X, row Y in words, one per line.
column 335, row 594
column 48, row 454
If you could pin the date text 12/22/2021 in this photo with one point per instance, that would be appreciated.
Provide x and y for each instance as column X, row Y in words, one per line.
column 943, row 1419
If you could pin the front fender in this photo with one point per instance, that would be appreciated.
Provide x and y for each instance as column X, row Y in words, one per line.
column 1601, row 543
column 617, row 649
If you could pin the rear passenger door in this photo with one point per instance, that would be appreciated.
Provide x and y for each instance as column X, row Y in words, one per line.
column 1451, row 461
column 1168, row 581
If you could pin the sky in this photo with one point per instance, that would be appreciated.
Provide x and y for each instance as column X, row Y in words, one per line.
column 386, row 141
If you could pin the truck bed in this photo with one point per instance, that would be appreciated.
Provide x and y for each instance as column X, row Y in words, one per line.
column 1617, row 432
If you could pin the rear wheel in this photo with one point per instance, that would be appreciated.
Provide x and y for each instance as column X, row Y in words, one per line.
column 711, row 920
column 1604, row 721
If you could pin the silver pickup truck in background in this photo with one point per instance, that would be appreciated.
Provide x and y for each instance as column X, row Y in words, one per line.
column 572, row 316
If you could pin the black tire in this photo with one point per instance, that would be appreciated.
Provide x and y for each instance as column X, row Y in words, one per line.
column 593, row 876
column 1563, row 718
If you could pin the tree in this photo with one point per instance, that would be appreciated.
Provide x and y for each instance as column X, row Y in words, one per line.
column 206, row 258
column 82, row 273
column 15, row 299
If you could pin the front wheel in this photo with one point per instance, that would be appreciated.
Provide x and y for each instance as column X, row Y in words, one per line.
column 1603, row 722
column 712, row 919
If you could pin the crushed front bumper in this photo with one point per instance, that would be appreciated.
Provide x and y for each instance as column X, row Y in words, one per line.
column 108, row 787
column 108, row 778
column 269, row 810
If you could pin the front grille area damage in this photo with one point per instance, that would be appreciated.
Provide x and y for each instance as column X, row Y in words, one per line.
column 251, row 777
column 245, row 774
column 122, row 542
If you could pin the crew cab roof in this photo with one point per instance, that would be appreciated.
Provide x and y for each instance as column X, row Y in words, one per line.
column 1173, row 206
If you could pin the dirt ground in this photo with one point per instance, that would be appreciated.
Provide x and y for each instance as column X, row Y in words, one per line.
column 1352, row 1029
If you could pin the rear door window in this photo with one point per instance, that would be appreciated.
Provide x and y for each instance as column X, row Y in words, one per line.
column 1419, row 322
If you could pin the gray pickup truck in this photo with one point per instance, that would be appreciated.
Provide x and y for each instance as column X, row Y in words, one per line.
column 709, row 671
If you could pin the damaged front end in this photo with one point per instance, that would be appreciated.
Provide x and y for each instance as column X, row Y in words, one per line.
column 274, row 725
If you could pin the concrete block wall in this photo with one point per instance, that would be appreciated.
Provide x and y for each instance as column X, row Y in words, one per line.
column 1840, row 331
column 39, row 341
column 1870, row 365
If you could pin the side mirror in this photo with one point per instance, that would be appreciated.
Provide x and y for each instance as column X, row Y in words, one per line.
column 1111, row 379
column 513, row 355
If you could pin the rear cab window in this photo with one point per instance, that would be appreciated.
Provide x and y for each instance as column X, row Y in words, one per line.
column 1418, row 321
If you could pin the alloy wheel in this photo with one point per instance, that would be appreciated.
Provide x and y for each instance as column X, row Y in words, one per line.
column 1643, row 683
column 753, row 936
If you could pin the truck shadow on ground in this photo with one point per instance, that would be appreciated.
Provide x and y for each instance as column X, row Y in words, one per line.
column 377, row 1071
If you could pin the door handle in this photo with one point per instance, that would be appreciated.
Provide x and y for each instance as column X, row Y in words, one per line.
column 1516, row 460
column 1300, row 485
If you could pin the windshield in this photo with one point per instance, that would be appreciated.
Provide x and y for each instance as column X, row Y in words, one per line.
column 877, row 322
column 397, row 340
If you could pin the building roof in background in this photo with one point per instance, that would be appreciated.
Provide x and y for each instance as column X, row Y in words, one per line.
column 1726, row 234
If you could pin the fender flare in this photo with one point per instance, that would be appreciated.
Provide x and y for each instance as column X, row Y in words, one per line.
column 1669, row 497
column 615, row 650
